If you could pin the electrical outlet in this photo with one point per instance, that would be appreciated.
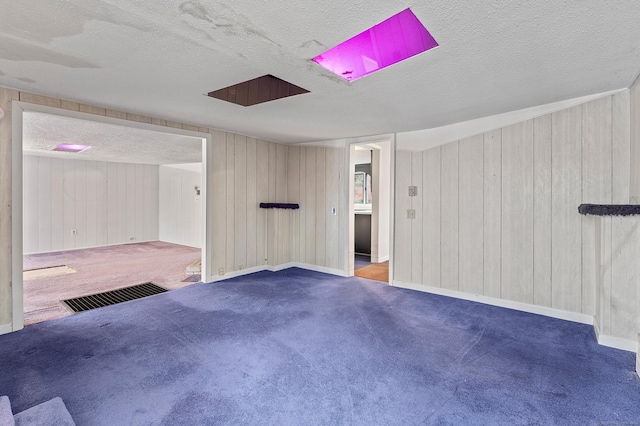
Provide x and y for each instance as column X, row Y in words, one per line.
column 132, row 238
column 413, row 191
column 221, row 271
column 411, row 214
column 240, row 267
column 74, row 232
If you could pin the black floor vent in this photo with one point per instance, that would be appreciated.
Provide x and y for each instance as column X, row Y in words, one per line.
column 107, row 298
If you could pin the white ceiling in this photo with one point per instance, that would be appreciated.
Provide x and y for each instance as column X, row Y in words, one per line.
column 109, row 142
column 161, row 57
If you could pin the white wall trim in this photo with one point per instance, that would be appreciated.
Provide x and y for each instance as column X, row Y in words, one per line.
column 18, row 107
column 518, row 306
column 104, row 245
column 421, row 140
column 276, row 268
column 614, row 342
column 604, row 340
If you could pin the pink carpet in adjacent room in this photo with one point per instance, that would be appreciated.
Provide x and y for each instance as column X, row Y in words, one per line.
column 102, row 269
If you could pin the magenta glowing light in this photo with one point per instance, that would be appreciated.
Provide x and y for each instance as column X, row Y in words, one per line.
column 393, row 40
column 70, row 147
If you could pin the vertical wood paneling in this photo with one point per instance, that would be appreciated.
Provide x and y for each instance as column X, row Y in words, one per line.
column 471, row 217
column 44, row 205
column 310, row 211
column 252, row 204
column 517, row 212
column 284, row 216
column 272, row 214
column 431, row 174
column 565, row 221
column 57, row 204
column 30, row 198
column 417, row 223
column 240, row 203
column 102, row 202
column 91, row 214
column 130, row 218
column 596, row 185
column 76, row 195
column 230, row 203
column 139, row 202
column 634, row 149
column 403, row 224
column 68, row 207
column 293, row 196
column 263, row 196
column 302, row 214
column 122, row 211
column 80, row 207
column 625, row 273
column 492, row 208
column 449, row 215
column 620, row 151
column 332, row 198
column 150, row 197
column 542, row 211
column 217, row 186
column 6, row 96
column 321, row 215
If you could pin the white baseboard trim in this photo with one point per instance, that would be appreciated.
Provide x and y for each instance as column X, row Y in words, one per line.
column 518, row 306
column 615, row 342
column 604, row 340
column 276, row 268
column 316, row 268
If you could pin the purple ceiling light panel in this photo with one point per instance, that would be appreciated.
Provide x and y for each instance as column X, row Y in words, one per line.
column 393, row 40
column 70, row 147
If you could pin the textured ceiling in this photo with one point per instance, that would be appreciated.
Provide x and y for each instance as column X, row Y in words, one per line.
column 109, row 142
column 160, row 58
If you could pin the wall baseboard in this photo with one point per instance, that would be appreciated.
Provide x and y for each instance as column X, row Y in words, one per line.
column 604, row 340
column 103, row 245
column 276, row 268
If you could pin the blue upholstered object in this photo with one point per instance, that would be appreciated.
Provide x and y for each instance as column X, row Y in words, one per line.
column 609, row 209
column 303, row 348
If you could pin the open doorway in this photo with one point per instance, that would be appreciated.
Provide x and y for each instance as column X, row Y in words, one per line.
column 370, row 208
column 126, row 211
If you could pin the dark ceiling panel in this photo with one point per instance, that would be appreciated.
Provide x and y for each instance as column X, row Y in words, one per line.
column 259, row 90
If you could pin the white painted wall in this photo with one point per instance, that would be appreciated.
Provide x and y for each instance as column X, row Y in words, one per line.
column 180, row 215
column 496, row 213
column 104, row 202
column 380, row 218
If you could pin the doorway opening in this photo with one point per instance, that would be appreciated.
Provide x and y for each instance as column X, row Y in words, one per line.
column 130, row 209
column 370, row 209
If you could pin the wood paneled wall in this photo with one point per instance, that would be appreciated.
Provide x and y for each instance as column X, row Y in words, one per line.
column 247, row 172
column 497, row 214
column 180, row 208
column 105, row 203
column 316, row 180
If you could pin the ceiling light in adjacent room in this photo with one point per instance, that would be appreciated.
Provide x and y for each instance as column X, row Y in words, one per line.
column 70, row 147
column 393, row 40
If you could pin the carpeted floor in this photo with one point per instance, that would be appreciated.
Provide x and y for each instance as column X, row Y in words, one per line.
column 305, row 348
column 102, row 269
column 361, row 261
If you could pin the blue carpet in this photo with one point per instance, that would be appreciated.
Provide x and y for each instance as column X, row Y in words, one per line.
column 304, row 348
column 361, row 261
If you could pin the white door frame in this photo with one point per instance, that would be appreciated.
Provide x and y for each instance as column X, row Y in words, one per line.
column 351, row 143
column 17, row 110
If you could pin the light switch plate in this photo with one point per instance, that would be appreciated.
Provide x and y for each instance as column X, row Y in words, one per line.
column 413, row 191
